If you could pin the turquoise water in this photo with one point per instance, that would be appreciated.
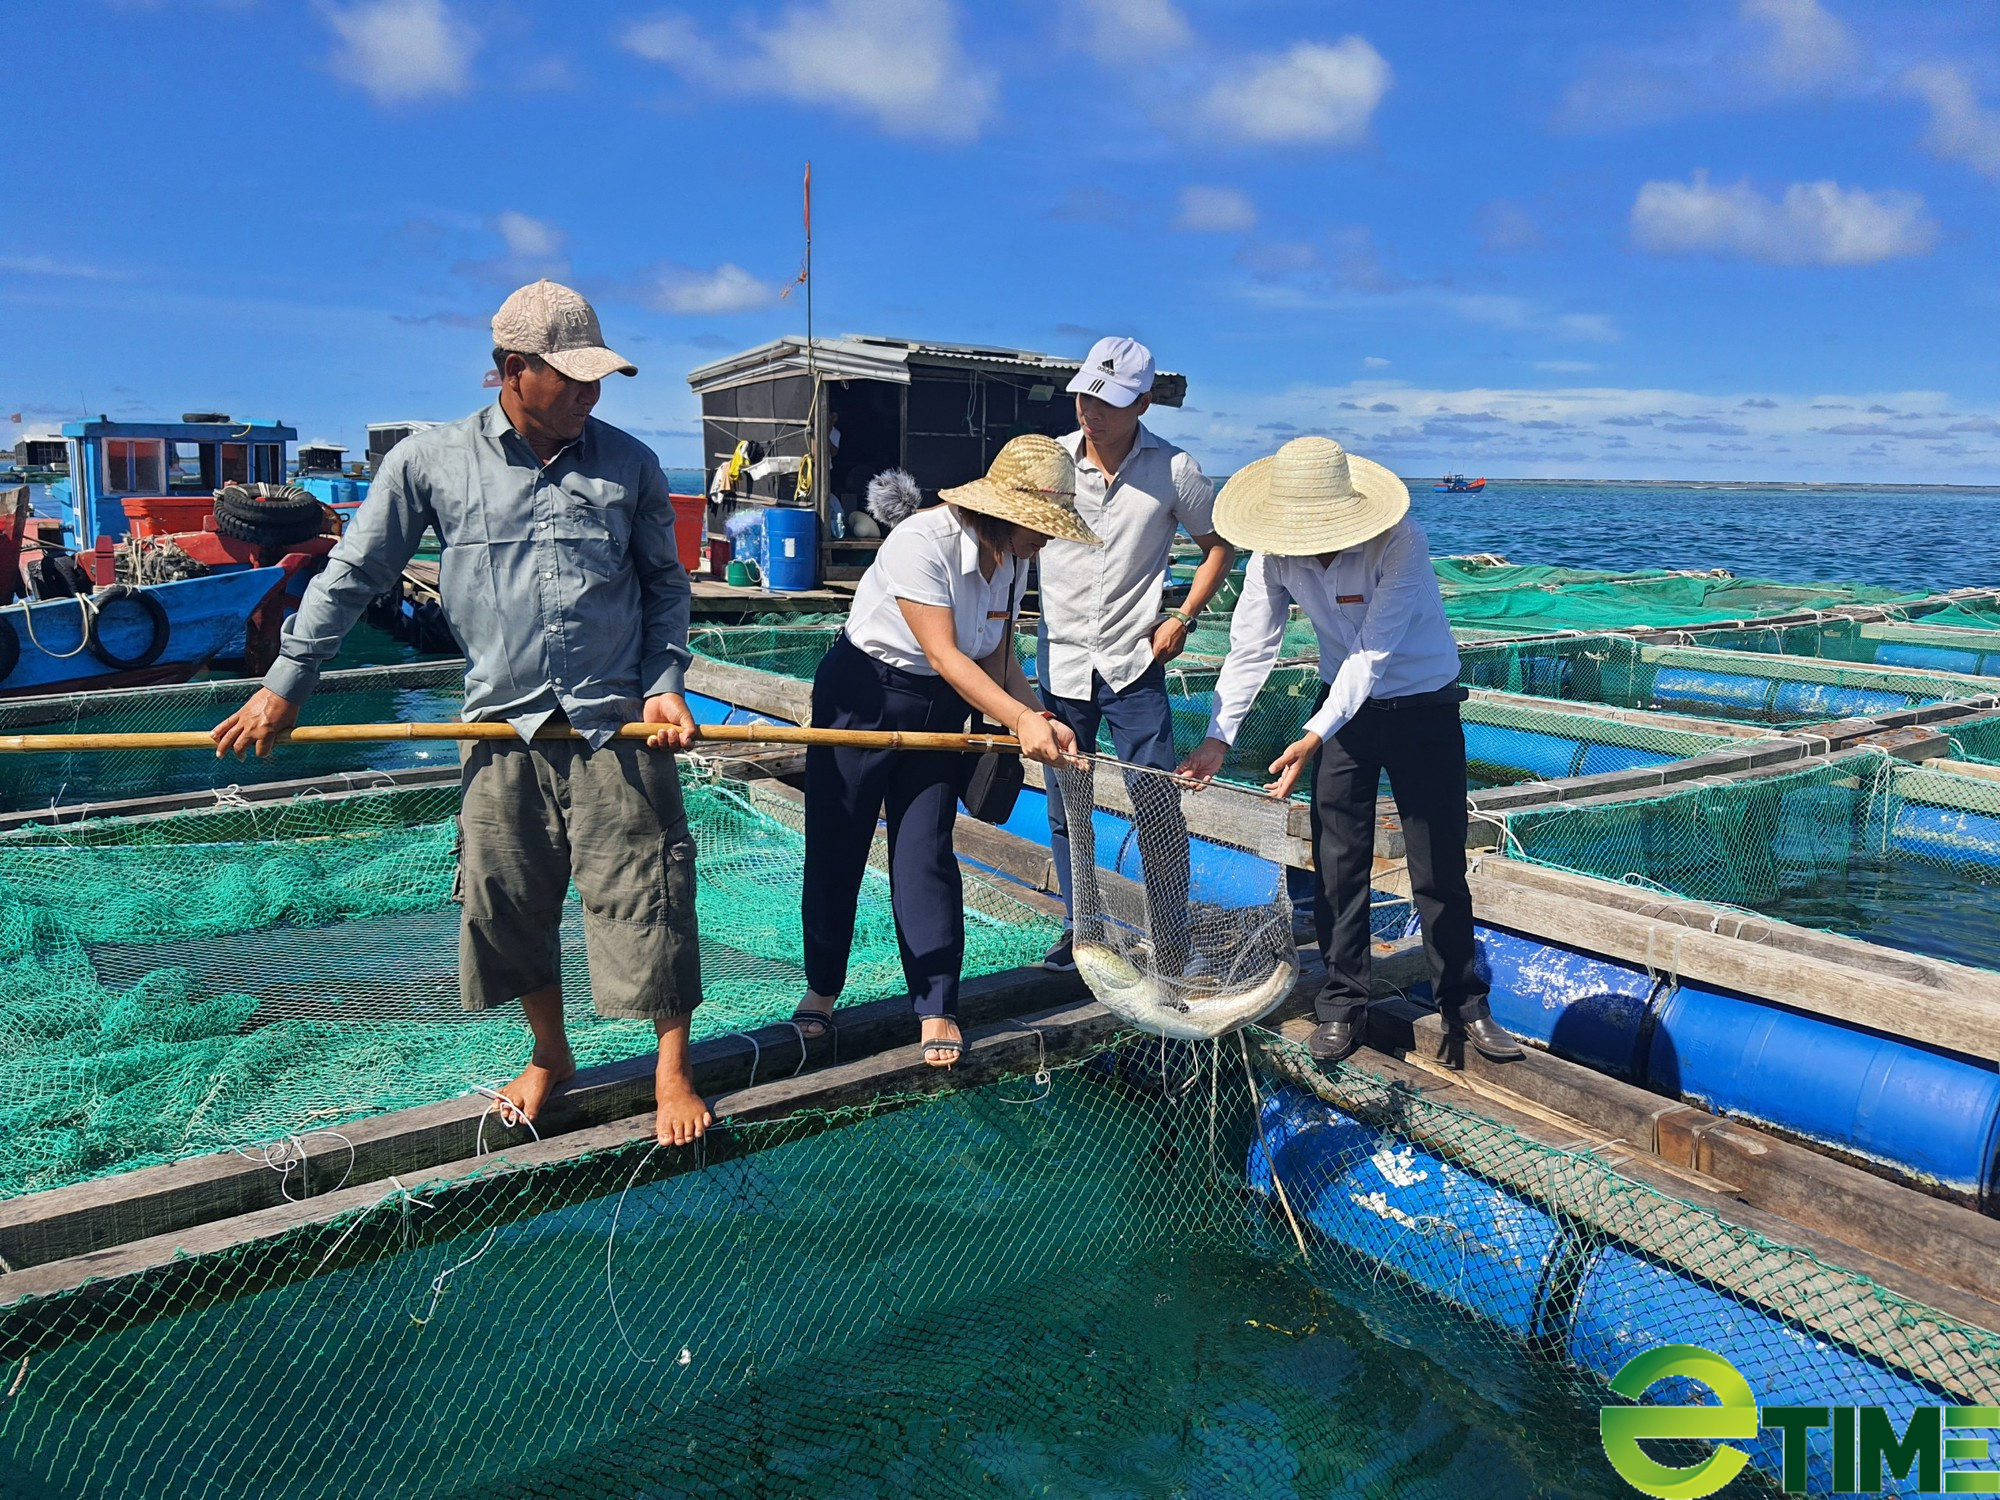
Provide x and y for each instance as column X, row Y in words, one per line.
column 1915, row 537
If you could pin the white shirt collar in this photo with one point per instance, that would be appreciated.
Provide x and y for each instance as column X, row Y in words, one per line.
column 1145, row 439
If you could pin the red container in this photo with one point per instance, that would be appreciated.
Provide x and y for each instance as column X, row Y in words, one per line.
column 690, row 517
column 163, row 515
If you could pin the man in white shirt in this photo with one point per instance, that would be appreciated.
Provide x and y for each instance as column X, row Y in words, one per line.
column 1333, row 534
column 1105, row 641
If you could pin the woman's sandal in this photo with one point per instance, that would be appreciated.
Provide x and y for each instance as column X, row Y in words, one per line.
column 822, row 1020
column 952, row 1046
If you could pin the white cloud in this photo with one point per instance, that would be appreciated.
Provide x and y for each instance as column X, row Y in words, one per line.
column 1815, row 223
column 1375, row 362
column 48, row 265
column 534, row 248
column 1311, row 94
column 1960, row 127
column 898, row 62
column 1806, row 44
column 1116, row 31
column 402, row 50
column 727, row 289
column 1216, row 210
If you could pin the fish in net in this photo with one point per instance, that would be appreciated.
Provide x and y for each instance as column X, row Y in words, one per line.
column 1186, row 939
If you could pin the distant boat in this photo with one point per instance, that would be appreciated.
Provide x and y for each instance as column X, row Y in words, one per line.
column 1458, row 484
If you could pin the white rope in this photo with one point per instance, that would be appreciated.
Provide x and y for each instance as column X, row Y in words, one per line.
column 20, row 1375
column 288, row 1155
column 1263, row 1144
column 610, row 1243
column 1044, row 1079
column 85, row 609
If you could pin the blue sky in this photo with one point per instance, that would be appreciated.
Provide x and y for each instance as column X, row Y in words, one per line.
column 1729, row 239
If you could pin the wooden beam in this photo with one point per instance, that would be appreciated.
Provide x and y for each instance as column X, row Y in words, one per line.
column 178, row 1279
column 1964, row 768
column 786, row 699
column 149, row 1202
column 1952, row 1245
column 1672, row 1225
column 1839, row 978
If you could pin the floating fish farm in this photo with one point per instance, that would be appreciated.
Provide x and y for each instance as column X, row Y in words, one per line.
column 1736, row 871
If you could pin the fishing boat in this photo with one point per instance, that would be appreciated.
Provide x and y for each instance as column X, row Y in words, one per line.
column 1458, row 484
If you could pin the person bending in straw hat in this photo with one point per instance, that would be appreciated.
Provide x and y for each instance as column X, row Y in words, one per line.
column 928, row 643
column 560, row 579
column 1105, row 640
column 1333, row 534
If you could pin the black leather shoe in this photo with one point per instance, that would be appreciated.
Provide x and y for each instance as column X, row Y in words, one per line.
column 1493, row 1040
column 1334, row 1040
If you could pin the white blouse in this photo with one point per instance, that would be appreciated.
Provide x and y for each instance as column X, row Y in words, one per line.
column 931, row 558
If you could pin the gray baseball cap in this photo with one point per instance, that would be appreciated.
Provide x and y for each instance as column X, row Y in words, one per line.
column 547, row 319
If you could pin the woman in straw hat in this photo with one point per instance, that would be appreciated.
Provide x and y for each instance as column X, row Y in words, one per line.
column 928, row 643
column 1332, row 533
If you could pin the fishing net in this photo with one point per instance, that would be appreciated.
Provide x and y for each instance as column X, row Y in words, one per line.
column 1085, row 1283
column 1505, row 743
column 1781, row 691
column 1933, row 648
column 1860, row 843
column 421, row 692
column 202, row 980
column 1967, row 614
column 1182, row 939
column 1976, row 740
column 1659, row 600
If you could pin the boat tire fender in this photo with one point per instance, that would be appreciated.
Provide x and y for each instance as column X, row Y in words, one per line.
column 268, row 514
column 154, row 611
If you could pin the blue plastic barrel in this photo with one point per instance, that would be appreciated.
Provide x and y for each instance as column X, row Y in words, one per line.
column 793, row 537
column 1675, row 687
column 1928, row 1113
column 1578, row 1006
column 1626, row 1305
column 1620, row 758
column 1950, row 835
column 1932, row 658
column 1218, row 874
column 1822, row 700
column 1468, row 1241
column 1546, row 756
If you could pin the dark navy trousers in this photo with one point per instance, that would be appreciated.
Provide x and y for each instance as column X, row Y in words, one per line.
column 1142, row 734
column 847, row 791
column 1421, row 744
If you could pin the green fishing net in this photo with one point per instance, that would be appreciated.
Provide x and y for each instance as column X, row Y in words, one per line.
column 202, row 980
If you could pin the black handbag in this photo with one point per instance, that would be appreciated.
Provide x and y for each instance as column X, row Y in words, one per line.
column 990, row 783
column 988, row 789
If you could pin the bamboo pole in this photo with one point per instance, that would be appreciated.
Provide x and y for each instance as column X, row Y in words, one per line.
column 348, row 734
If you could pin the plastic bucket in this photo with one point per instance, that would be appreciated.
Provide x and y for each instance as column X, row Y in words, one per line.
column 794, row 541
column 1928, row 1113
column 690, row 516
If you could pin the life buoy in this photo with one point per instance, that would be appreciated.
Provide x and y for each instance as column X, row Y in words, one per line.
column 154, row 611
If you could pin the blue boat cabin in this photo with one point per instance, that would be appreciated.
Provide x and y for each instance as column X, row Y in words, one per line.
column 110, row 462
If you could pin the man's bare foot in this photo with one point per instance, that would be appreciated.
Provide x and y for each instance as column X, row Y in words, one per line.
column 943, row 1043
column 683, row 1112
column 544, row 1074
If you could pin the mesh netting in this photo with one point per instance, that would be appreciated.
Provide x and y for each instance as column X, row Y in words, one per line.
column 1862, row 844
column 1179, row 939
column 1776, row 690
column 201, row 980
column 1976, row 740
column 1970, row 652
column 421, row 692
column 1971, row 614
column 792, row 646
column 1082, row 1284
column 1523, row 606
column 1505, row 743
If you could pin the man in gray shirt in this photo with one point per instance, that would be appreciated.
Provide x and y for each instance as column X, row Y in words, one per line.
column 1105, row 641
column 560, row 580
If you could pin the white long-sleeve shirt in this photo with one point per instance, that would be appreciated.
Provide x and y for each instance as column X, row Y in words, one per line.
column 1379, row 617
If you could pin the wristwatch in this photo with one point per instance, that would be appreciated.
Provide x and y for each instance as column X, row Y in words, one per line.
column 1183, row 616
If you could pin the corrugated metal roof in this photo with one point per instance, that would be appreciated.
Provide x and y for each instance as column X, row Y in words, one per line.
column 868, row 357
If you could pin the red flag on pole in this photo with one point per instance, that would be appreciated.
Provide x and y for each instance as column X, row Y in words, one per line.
column 809, row 200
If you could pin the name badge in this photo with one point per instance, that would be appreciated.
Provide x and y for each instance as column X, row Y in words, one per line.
column 996, row 614
column 1350, row 599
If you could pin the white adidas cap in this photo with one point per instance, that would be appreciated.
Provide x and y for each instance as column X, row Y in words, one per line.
column 1117, row 370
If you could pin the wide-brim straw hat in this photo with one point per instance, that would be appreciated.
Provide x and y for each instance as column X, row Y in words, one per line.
column 1033, row 484
column 1309, row 497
